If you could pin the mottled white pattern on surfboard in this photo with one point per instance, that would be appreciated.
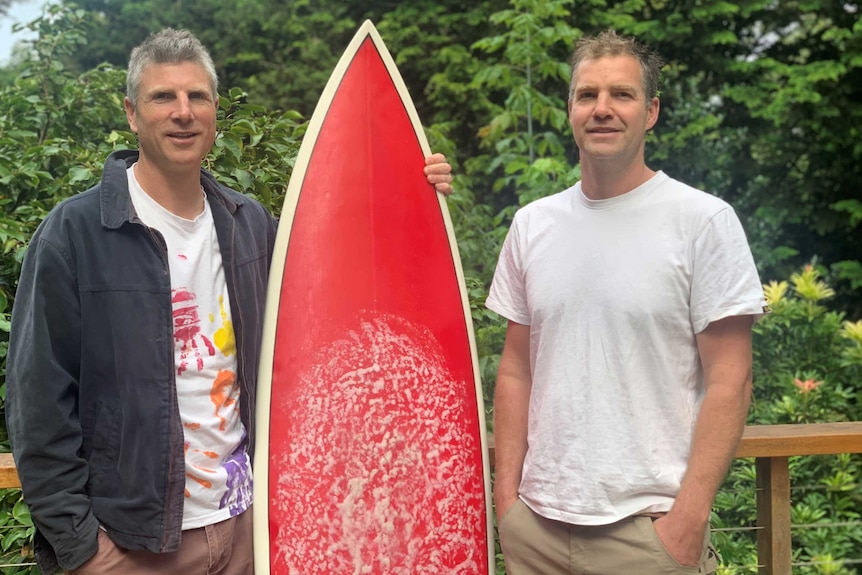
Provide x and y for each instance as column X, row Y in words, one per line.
column 381, row 475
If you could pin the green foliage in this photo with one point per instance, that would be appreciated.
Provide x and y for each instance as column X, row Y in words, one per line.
column 56, row 128
column 16, row 533
column 526, row 140
column 807, row 364
column 799, row 102
column 807, row 369
column 255, row 150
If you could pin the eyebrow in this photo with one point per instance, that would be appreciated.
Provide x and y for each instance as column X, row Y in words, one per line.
column 167, row 90
column 627, row 87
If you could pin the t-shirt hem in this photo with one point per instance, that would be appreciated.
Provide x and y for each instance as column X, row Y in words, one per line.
column 755, row 310
column 507, row 313
column 593, row 520
column 213, row 518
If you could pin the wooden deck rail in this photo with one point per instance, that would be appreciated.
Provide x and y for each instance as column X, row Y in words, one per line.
column 8, row 475
column 769, row 445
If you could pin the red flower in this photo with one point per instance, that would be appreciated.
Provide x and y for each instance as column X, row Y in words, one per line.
column 807, row 385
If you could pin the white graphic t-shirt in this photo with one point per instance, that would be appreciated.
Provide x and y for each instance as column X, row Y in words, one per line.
column 218, row 471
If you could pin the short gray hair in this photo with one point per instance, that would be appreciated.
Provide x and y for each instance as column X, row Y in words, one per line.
column 169, row 46
column 609, row 43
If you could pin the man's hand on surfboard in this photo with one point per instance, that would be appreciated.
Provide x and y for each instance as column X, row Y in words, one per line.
column 439, row 173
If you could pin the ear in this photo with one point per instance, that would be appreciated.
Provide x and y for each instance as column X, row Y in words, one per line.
column 652, row 113
column 130, row 114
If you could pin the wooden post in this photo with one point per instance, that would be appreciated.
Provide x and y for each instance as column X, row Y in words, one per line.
column 773, row 516
column 8, row 473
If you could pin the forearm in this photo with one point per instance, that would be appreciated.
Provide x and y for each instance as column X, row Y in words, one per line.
column 716, row 437
column 511, row 401
column 725, row 352
column 511, row 406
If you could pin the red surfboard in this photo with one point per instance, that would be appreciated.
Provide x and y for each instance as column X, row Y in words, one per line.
column 370, row 433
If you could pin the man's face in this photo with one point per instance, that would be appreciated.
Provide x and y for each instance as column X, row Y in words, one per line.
column 609, row 111
column 175, row 117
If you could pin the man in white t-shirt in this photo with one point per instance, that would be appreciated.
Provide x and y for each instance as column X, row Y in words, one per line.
column 136, row 330
column 625, row 377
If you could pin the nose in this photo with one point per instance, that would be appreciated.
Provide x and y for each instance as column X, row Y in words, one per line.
column 603, row 108
column 183, row 108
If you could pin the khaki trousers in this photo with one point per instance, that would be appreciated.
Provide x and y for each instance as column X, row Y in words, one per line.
column 533, row 545
column 221, row 549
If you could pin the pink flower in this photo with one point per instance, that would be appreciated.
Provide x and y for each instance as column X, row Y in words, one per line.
column 807, row 385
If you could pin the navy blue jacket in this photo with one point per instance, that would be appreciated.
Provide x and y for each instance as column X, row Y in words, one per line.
column 91, row 403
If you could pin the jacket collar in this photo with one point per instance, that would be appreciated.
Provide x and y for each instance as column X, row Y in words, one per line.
column 115, row 201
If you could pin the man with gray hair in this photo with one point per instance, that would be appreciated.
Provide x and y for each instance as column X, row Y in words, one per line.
column 136, row 330
column 625, row 376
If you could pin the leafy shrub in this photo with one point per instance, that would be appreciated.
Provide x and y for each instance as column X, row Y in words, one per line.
column 808, row 361
column 807, row 369
column 56, row 128
column 16, row 533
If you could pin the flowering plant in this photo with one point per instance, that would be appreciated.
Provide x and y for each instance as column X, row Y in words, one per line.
column 807, row 369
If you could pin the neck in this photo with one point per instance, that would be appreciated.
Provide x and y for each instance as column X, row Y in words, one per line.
column 179, row 193
column 602, row 182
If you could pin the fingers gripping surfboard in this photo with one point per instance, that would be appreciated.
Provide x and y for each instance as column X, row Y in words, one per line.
column 370, row 431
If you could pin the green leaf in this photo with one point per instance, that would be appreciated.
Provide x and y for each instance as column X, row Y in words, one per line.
column 78, row 174
column 21, row 513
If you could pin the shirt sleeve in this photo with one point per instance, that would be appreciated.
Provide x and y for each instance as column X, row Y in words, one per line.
column 725, row 282
column 508, row 293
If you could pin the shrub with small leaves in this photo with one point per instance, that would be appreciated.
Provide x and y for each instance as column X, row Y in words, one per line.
column 807, row 369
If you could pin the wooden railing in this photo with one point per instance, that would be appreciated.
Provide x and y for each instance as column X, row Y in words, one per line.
column 8, row 475
column 769, row 445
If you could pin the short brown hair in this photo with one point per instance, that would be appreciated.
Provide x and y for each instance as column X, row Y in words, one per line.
column 609, row 43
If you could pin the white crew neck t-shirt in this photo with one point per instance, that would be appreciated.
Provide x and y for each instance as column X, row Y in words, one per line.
column 614, row 292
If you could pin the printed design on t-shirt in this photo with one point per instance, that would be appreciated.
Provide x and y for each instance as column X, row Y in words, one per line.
column 223, row 394
column 187, row 330
column 224, row 337
column 197, row 341
column 239, row 491
column 205, row 483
